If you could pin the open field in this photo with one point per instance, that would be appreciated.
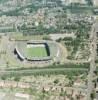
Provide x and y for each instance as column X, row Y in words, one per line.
column 19, row 36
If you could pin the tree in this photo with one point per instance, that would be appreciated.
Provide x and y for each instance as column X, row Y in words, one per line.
column 56, row 81
column 7, row 63
column 3, row 77
column 92, row 95
column 17, row 78
column 46, row 38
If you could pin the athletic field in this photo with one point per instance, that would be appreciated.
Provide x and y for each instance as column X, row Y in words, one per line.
column 36, row 51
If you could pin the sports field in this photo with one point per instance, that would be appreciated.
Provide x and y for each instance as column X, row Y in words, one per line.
column 36, row 52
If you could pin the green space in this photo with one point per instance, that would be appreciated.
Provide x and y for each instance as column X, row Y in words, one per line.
column 36, row 52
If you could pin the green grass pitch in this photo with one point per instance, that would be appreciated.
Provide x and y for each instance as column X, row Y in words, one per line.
column 36, row 52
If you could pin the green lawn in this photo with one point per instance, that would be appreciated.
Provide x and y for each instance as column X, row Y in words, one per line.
column 36, row 52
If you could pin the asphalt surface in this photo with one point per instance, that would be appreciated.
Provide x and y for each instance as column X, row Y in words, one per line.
column 92, row 60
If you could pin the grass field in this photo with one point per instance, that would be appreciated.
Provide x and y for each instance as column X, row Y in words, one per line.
column 36, row 52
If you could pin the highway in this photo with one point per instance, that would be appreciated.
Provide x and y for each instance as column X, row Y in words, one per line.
column 92, row 60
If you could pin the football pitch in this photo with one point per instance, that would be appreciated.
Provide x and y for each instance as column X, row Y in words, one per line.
column 36, row 52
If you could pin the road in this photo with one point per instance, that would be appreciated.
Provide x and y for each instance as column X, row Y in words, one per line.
column 92, row 62
column 41, row 71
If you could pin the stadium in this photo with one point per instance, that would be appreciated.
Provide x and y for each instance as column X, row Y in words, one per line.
column 33, row 51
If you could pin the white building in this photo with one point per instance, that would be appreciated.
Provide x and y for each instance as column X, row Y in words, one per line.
column 95, row 2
